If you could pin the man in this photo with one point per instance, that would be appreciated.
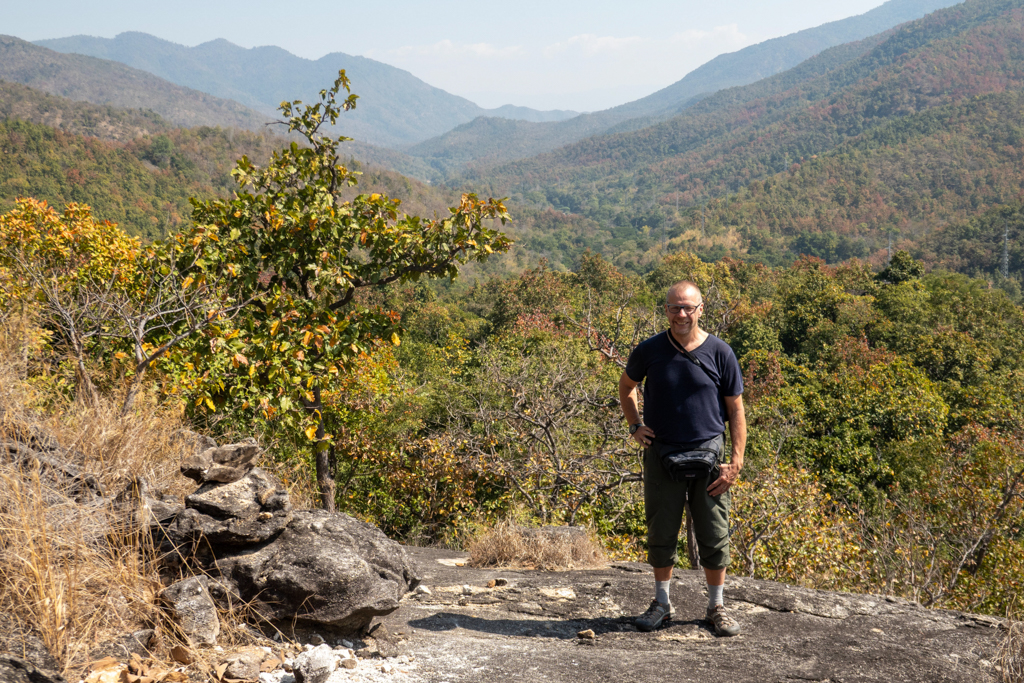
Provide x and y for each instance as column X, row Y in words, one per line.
column 683, row 406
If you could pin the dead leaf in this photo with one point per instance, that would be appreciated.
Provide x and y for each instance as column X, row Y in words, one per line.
column 181, row 655
column 106, row 676
column 270, row 664
column 175, row 677
column 105, row 663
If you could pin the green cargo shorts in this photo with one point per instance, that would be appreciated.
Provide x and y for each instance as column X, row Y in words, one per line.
column 663, row 502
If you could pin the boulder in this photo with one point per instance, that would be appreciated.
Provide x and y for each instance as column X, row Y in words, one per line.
column 192, row 607
column 223, row 464
column 323, row 569
column 250, row 510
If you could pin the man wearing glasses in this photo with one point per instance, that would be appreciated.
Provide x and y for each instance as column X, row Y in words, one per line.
column 693, row 387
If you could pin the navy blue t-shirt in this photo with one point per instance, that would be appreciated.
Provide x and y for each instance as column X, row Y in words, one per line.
column 681, row 403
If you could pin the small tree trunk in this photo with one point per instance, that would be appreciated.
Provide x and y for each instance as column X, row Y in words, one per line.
column 133, row 391
column 323, row 456
column 691, row 540
column 86, row 389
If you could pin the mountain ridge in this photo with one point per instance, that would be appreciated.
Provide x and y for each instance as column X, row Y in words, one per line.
column 103, row 82
column 896, row 135
column 477, row 141
column 395, row 108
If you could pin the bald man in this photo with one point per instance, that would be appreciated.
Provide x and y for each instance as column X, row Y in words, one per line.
column 693, row 389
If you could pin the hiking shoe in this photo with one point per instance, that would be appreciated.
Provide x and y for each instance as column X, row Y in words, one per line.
column 654, row 616
column 723, row 623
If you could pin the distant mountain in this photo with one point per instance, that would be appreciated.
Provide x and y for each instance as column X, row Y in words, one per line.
column 103, row 82
column 395, row 108
column 495, row 141
column 896, row 135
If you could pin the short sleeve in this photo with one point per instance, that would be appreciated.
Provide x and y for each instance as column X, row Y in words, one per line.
column 732, row 377
column 636, row 368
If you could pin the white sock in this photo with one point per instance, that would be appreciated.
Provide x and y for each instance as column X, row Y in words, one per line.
column 661, row 591
column 715, row 595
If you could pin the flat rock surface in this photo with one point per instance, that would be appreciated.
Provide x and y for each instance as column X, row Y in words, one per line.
column 527, row 630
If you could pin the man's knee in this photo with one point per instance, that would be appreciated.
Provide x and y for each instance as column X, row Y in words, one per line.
column 711, row 527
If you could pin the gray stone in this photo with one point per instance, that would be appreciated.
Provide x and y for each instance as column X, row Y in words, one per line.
column 56, row 468
column 24, row 658
column 17, row 670
column 251, row 510
column 123, row 648
column 194, row 441
column 314, row 666
column 193, row 608
column 323, row 569
column 223, row 464
column 243, row 666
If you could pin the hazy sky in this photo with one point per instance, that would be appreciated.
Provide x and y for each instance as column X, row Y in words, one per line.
column 546, row 55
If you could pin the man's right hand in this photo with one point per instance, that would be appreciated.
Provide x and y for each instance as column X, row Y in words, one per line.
column 644, row 435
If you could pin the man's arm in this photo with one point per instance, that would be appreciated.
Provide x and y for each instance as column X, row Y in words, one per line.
column 631, row 410
column 730, row 471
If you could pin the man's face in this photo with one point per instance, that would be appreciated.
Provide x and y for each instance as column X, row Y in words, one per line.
column 683, row 309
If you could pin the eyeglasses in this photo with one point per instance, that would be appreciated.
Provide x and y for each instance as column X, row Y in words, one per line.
column 675, row 309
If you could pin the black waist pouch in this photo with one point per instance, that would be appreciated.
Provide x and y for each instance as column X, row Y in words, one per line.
column 683, row 462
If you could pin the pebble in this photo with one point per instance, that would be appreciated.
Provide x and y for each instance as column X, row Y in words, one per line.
column 588, row 634
column 422, row 590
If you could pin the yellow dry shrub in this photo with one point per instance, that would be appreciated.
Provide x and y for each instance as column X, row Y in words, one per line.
column 1011, row 653
column 548, row 548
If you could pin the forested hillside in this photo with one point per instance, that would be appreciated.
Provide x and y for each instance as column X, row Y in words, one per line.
column 139, row 171
column 487, row 140
column 896, row 135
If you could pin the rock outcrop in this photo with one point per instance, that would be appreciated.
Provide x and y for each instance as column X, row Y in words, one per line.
column 532, row 625
column 307, row 567
column 251, row 509
column 55, row 464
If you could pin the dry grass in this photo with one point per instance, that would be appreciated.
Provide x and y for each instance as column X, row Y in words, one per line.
column 550, row 548
column 79, row 573
column 1011, row 653
column 61, row 575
